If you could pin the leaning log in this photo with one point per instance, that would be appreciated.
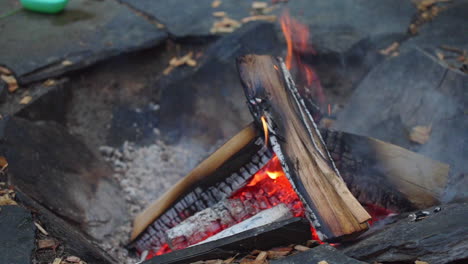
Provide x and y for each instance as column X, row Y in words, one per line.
column 273, row 99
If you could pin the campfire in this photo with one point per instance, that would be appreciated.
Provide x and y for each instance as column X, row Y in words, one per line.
column 277, row 169
column 234, row 132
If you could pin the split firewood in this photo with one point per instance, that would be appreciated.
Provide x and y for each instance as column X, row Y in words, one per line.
column 273, row 99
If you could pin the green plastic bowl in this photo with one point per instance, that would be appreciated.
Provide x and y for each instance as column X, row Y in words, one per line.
column 44, row 6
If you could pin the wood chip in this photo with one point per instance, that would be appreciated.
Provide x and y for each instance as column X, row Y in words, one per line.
column 50, row 82
column 219, row 14
column 41, row 229
column 67, row 63
column 420, row 134
column 301, row 248
column 26, row 100
column 214, row 261
column 390, row 49
column 229, row 260
column 5, row 71
column 216, row 3
column 262, row 256
column 277, row 253
column 322, row 262
column 11, row 81
column 57, row 261
column 226, row 25
column 259, row 5
column 420, row 262
column 269, row 18
column 47, row 243
column 73, row 259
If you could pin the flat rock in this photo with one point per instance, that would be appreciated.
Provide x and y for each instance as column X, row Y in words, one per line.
column 60, row 172
column 315, row 255
column 207, row 105
column 37, row 46
column 407, row 91
column 337, row 26
column 439, row 238
column 17, row 239
column 446, row 29
column 190, row 18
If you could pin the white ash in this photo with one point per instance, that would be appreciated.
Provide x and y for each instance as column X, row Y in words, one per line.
column 144, row 174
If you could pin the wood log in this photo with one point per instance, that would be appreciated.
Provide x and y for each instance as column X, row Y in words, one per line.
column 272, row 96
column 214, row 179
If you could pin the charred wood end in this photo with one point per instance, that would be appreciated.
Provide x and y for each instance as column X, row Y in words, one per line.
column 271, row 93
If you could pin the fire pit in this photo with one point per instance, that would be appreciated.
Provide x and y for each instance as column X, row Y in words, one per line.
column 234, row 132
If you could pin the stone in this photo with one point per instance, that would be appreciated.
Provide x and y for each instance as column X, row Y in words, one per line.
column 323, row 253
column 41, row 46
column 17, row 240
column 438, row 238
column 189, row 18
column 61, row 173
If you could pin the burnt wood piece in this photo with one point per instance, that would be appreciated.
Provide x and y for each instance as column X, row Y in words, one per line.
column 439, row 238
column 271, row 94
column 215, row 179
column 281, row 233
column 70, row 237
column 221, row 216
column 384, row 174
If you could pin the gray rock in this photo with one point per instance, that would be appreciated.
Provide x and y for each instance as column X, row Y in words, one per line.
column 17, row 239
column 60, row 172
column 37, row 46
column 315, row 255
column 439, row 238
column 336, row 26
column 189, row 18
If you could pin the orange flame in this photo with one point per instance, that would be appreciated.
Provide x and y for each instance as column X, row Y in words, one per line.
column 297, row 35
column 265, row 129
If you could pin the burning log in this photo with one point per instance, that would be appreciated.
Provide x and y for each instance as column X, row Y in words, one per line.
column 273, row 99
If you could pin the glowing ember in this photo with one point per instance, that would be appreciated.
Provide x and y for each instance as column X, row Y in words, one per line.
column 297, row 36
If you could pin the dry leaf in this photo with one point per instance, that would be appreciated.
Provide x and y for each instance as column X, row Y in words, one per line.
column 5, row 71
column 390, row 49
column 26, row 100
column 73, row 259
column 50, row 82
column 420, row 134
column 216, row 3
column 46, row 243
column 11, row 81
column 219, row 14
column 6, row 199
column 3, row 163
column 67, row 63
column 270, row 18
column 226, row 25
column 301, row 248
